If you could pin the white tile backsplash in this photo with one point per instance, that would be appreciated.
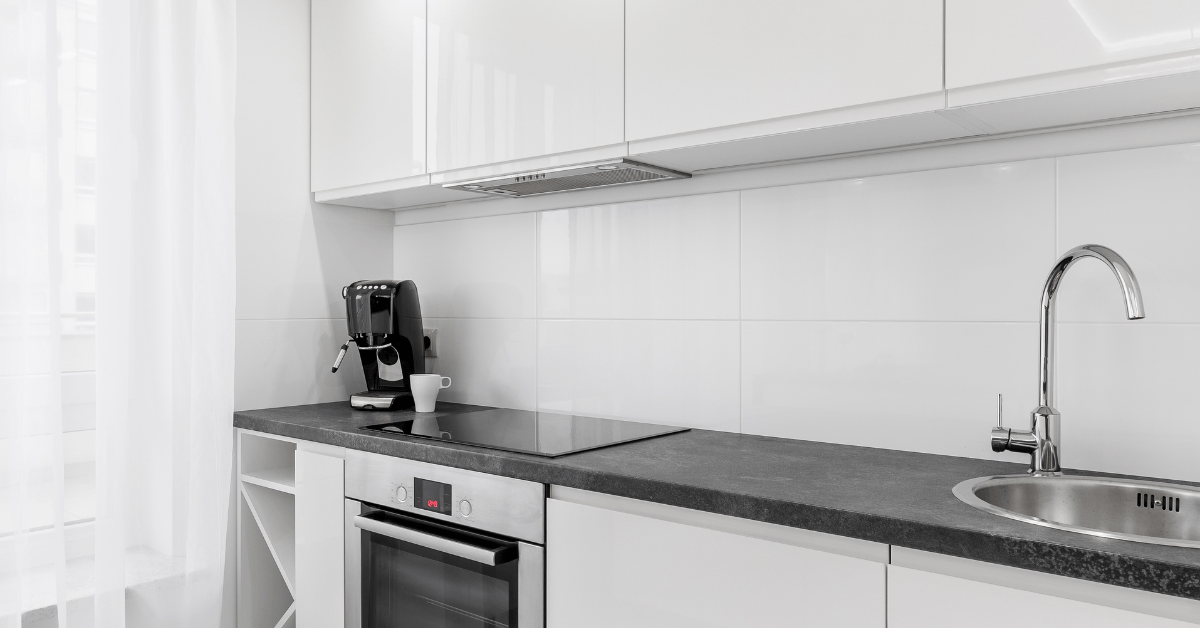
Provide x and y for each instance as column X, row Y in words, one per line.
column 928, row 387
column 1145, row 205
column 674, row 372
column 492, row 362
column 479, row 268
column 887, row 311
column 965, row 244
column 673, row 258
column 1127, row 398
column 289, row 363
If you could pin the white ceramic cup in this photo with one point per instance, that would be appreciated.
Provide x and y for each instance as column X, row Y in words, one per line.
column 425, row 390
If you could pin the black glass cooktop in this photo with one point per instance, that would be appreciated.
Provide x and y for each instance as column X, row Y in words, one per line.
column 539, row 433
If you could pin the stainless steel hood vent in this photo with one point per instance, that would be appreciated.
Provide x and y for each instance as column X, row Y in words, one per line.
column 583, row 177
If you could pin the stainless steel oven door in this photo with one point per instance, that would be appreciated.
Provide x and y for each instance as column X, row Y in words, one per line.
column 408, row 571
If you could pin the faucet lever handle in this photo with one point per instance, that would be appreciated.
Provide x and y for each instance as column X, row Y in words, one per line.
column 1001, row 436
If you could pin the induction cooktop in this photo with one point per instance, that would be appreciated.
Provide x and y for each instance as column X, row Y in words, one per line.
column 538, row 433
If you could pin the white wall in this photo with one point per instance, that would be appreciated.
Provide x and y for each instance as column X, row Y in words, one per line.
column 293, row 255
column 885, row 311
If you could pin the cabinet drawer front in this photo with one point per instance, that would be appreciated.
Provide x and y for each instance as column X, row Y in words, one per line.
column 608, row 568
column 919, row 599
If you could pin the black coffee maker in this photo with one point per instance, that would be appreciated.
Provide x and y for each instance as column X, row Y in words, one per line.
column 384, row 321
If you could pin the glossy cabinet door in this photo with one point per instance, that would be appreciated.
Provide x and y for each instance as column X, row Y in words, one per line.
column 920, row 599
column 702, row 64
column 523, row 78
column 988, row 41
column 368, row 91
column 609, row 568
column 320, row 542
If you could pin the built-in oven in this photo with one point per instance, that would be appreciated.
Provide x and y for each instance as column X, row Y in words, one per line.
column 429, row 546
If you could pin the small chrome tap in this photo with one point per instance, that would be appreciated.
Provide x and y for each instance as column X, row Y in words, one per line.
column 1041, row 440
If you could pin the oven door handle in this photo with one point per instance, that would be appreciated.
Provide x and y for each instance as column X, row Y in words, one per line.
column 487, row 556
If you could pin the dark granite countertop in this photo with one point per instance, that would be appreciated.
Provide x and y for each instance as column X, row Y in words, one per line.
column 893, row 497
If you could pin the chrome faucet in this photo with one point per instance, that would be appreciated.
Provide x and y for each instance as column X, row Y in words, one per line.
column 1041, row 440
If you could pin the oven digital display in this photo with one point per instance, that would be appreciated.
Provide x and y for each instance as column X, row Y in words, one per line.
column 431, row 496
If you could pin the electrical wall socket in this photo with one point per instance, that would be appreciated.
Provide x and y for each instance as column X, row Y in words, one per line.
column 431, row 342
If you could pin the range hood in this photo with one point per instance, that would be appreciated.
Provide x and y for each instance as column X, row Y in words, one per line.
column 568, row 178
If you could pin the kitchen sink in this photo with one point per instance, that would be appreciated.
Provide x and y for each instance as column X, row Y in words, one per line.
column 1131, row 510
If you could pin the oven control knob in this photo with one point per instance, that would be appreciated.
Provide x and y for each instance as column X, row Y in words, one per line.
column 401, row 494
column 464, row 507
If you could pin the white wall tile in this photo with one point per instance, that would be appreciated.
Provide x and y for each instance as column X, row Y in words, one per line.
column 1145, row 205
column 672, row 258
column 478, row 268
column 966, row 244
column 928, row 387
column 1126, row 394
column 289, row 362
column 492, row 362
column 674, row 372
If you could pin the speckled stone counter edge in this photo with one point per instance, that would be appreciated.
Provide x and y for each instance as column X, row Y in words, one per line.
column 1156, row 576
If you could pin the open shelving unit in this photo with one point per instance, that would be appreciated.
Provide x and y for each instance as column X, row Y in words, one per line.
column 266, row 531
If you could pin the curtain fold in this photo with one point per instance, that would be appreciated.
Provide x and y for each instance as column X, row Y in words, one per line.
column 116, row 310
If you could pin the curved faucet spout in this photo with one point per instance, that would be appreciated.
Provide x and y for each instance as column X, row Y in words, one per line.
column 1134, row 308
column 1129, row 284
column 1041, row 440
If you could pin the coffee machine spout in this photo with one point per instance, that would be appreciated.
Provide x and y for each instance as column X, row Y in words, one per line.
column 337, row 362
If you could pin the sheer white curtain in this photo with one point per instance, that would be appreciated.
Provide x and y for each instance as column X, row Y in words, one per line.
column 116, row 310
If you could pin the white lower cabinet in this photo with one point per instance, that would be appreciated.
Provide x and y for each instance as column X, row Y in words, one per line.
column 921, row 599
column 607, row 567
column 320, row 547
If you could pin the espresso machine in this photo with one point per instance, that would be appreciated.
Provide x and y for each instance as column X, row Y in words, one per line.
column 384, row 321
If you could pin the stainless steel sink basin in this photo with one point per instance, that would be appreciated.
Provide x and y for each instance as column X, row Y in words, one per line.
column 1132, row 510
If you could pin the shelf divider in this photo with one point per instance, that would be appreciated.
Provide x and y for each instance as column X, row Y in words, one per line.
column 278, row 478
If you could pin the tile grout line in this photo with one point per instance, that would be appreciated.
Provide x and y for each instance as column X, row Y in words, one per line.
column 763, row 320
column 537, row 324
column 425, row 166
column 287, row 320
column 1057, row 248
column 1056, row 192
column 741, row 369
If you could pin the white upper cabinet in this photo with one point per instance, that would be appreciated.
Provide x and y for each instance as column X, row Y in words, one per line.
column 701, row 64
column 411, row 95
column 523, row 78
column 368, row 91
column 998, row 40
